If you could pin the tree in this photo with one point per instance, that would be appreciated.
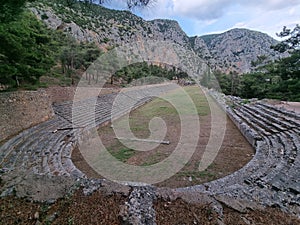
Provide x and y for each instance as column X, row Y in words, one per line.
column 11, row 9
column 76, row 56
column 26, row 51
column 292, row 41
column 279, row 79
column 130, row 3
column 137, row 3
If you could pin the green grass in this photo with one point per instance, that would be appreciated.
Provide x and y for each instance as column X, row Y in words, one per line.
column 122, row 154
column 139, row 119
column 163, row 108
column 155, row 158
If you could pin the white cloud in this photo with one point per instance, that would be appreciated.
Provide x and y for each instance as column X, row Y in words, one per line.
column 198, row 17
column 214, row 9
column 273, row 4
column 201, row 9
column 159, row 9
column 270, row 22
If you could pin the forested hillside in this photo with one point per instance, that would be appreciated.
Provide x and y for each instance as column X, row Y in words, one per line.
column 30, row 50
column 279, row 79
column 53, row 42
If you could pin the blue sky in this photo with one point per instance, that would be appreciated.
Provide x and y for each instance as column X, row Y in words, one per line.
column 199, row 17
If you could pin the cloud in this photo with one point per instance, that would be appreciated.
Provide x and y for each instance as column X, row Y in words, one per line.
column 201, row 9
column 214, row 9
column 199, row 17
column 271, row 21
column 273, row 4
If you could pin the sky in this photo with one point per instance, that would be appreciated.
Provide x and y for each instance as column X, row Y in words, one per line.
column 200, row 17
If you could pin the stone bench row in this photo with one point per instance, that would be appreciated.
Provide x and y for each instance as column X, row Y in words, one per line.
column 47, row 147
column 272, row 176
column 44, row 152
column 31, row 137
column 282, row 148
column 95, row 111
column 281, row 110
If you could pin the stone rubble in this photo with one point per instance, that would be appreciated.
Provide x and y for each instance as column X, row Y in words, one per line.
column 40, row 156
column 272, row 177
column 138, row 209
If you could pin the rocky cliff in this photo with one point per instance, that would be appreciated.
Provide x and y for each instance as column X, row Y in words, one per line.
column 233, row 50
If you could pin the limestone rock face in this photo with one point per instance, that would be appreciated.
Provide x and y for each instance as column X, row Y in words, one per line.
column 235, row 49
column 170, row 30
column 201, row 49
column 231, row 51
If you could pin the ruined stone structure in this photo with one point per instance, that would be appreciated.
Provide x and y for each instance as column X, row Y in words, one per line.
column 271, row 178
column 45, row 149
column 21, row 110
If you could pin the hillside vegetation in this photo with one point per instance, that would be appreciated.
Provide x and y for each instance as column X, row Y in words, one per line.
column 230, row 51
column 30, row 50
column 53, row 42
column 279, row 79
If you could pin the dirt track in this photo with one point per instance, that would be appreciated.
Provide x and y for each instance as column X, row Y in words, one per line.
column 234, row 153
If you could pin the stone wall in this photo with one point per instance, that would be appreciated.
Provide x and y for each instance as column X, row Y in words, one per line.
column 247, row 131
column 61, row 94
column 21, row 110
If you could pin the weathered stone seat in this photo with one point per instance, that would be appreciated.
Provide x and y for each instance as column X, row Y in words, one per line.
column 47, row 147
column 272, row 176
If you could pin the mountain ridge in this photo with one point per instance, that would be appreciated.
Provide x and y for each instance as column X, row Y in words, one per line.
column 231, row 51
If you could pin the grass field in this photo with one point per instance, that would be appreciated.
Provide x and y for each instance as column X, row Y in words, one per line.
column 160, row 107
column 235, row 151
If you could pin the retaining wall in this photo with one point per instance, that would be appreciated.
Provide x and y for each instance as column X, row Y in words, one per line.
column 247, row 131
column 21, row 110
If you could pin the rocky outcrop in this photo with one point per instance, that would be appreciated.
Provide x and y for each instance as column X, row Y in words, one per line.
column 170, row 30
column 235, row 49
column 231, row 51
column 199, row 46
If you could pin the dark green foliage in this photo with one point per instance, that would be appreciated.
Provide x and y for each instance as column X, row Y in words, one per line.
column 229, row 84
column 292, row 40
column 11, row 9
column 280, row 80
column 256, row 85
column 141, row 70
column 29, row 50
column 76, row 56
column 44, row 17
column 25, row 50
column 93, row 16
column 260, row 60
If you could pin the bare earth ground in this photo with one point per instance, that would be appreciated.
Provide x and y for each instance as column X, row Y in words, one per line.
column 234, row 153
column 291, row 106
column 103, row 207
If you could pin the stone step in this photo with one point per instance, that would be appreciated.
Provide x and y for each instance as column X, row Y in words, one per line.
column 258, row 121
column 273, row 117
column 251, row 122
column 268, row 121
column 29, row 144
column 16, row 142
column 48, row 151
column 282, row 111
